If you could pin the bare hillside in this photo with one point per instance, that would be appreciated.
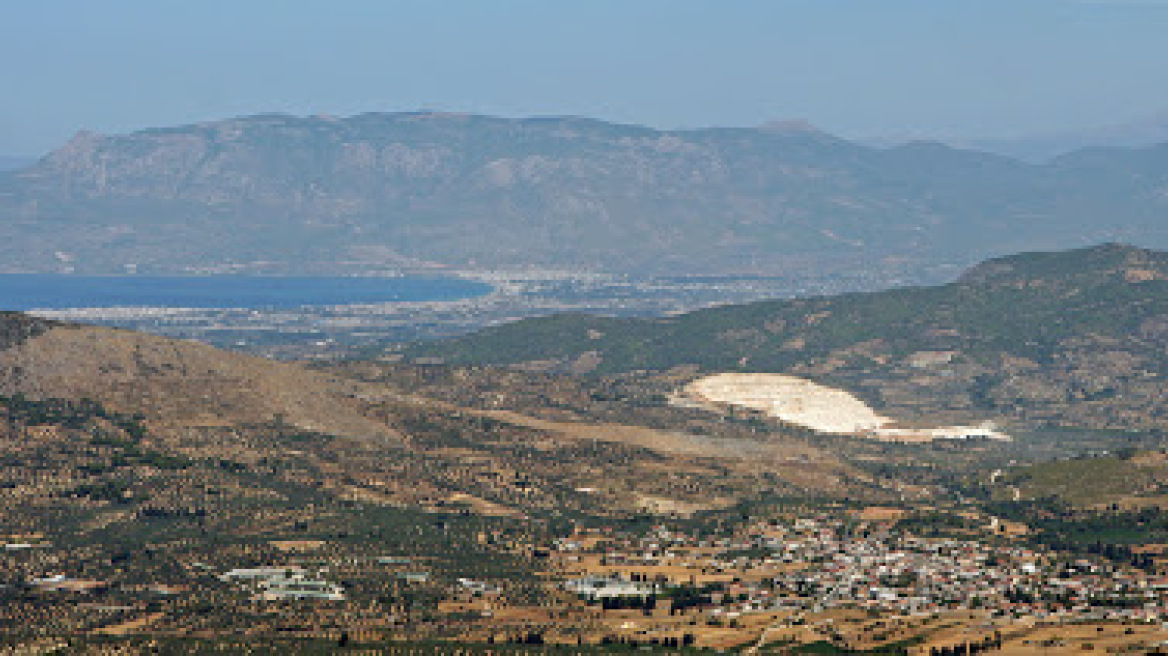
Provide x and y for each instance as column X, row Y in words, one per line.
column 174, row 382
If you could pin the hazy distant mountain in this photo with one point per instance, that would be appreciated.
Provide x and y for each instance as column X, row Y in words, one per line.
column 1041, row 147
column 282, row 193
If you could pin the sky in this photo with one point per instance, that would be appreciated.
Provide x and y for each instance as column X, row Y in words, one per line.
column 950, row 69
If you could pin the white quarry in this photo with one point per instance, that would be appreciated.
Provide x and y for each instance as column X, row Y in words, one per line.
column 818, row 407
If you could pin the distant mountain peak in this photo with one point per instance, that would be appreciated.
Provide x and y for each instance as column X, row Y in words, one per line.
column 82, row 140
column 1141, row 132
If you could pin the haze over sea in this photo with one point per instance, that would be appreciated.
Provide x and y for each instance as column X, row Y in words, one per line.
column 59, row 292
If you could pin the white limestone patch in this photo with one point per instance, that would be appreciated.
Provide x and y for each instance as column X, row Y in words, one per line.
column 792, row 399
column 818, row 407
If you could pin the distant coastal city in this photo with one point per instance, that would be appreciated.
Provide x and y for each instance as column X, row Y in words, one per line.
column 342, row 329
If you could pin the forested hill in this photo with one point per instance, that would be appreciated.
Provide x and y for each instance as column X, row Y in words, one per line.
column 1038, row 334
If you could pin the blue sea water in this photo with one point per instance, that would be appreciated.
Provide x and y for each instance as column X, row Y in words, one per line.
column 57, row 292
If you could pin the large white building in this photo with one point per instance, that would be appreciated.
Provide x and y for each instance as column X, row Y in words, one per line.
column 600, row 587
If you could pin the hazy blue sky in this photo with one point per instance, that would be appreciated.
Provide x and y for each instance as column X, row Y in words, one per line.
column 859, row 68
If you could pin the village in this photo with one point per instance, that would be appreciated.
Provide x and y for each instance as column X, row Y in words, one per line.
column 856, row 585
column 849, row 579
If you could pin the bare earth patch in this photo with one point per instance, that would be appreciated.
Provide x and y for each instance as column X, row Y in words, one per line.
column 821, row 408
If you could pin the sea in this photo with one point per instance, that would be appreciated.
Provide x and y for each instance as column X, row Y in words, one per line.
column 24, row 292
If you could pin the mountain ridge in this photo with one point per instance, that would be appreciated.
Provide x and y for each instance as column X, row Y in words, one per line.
column 1044, row 146
column 1070, row 338
column 284, row 193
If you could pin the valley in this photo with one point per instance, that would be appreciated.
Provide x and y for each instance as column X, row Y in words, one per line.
column 654, row 493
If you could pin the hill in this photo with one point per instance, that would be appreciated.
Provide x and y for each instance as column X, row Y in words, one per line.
column 172, row 382
column 280, row 193
column 1065, row 338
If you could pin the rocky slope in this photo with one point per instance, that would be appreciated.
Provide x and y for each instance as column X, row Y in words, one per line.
column 282, row 193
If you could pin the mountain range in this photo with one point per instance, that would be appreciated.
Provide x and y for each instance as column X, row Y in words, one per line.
column 279, row 194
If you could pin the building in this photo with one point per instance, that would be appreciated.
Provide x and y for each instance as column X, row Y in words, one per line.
column 601, row 587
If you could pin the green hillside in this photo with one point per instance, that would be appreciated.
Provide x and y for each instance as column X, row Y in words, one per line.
column 1074, row 337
